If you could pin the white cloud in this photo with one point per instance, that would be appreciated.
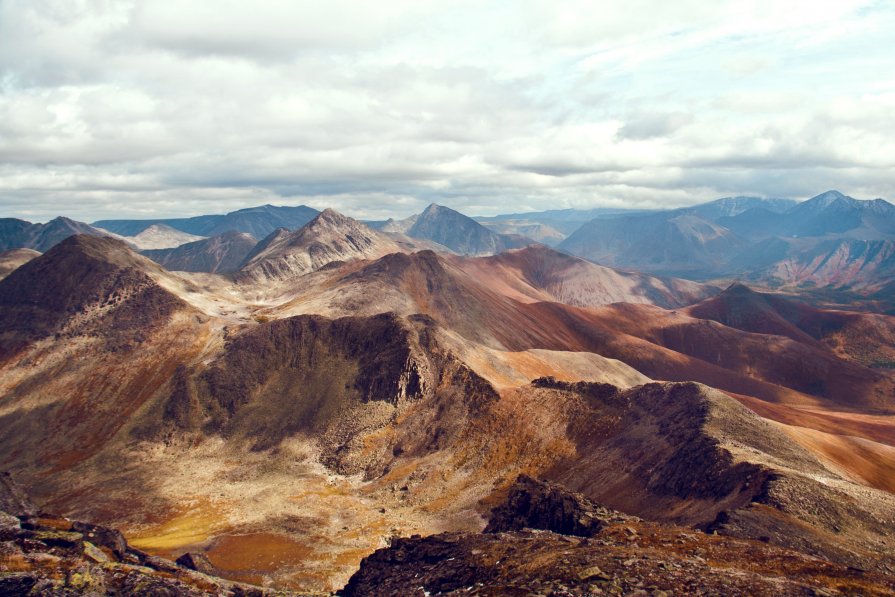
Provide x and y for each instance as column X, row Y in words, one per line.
column 115, row 109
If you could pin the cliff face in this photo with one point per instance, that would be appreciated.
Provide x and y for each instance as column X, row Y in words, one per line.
column 341, row 380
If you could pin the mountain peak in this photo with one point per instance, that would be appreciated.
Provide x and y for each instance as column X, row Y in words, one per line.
column 332, row 216
column 829, row 198
column 738, row 288
column 82, row 274
column 330, row 236
column 459, row 232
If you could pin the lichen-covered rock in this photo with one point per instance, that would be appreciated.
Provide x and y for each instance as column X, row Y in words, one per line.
column 102, row 536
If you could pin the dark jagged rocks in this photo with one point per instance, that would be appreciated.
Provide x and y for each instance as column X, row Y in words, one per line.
column 630, row 558
column 536, row 504
column 196, row 561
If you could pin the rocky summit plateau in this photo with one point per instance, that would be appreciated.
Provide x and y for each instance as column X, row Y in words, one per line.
column 286, row 401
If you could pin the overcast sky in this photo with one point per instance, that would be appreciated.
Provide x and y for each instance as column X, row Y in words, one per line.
column 176, row 107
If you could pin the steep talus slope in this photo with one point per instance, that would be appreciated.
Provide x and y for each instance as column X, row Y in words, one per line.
column 15, row 258
column 655, row 454
column 328, row 237
column 223, row 253
column 340, row 380
column 83, row 286
column 689, row 454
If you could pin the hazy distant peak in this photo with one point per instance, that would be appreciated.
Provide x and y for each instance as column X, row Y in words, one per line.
column 829, row 198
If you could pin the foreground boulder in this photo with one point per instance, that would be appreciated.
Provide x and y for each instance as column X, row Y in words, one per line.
column 196, row 561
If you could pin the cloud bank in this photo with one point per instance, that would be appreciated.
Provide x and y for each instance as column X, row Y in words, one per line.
column 163, row 108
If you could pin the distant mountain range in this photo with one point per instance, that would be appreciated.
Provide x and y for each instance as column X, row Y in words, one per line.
column 257, row 221
column 455, row 231
column 830, row 240
column 557, row 221
column 19, row 234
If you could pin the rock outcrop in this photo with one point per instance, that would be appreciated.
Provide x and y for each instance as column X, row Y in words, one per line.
column 533, row 504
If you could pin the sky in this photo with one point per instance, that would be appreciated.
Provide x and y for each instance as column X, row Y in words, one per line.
column 171, row 108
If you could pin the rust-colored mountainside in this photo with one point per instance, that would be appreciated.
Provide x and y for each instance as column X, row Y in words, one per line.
column 287, row 421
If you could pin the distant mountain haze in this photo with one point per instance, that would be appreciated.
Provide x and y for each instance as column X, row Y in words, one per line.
column 257, row 221
column 19, row 234
column 829, row 241
column 459, row 233
column 219, row 254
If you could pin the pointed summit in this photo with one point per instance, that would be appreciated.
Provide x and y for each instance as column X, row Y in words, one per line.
column 19, row 234
column 330, row 236
column 460, row 233
column 83, row 285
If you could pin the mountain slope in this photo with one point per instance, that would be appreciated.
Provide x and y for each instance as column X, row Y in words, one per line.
column 393, row 396
column 836, row 263
column 96, row 299
column 15, row 258
column 733, row 206
column 868, row 339
column 538, row 232
column 19, row 234
column 79, row 287
column 577, row 282
column 675, row 244
column 328, row 237
column 160, row 236
column 257, row 221
column 457, row 232
column 223, row 253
